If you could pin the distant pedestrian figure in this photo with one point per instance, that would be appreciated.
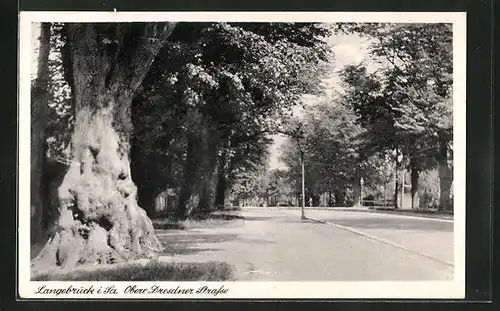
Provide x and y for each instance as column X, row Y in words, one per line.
column 310, row 202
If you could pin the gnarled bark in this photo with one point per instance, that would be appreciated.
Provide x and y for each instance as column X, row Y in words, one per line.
column 99, row 219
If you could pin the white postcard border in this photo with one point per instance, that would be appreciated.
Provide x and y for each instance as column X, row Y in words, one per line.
column 336, row 290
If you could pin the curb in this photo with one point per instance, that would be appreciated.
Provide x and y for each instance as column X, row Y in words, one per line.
column 384, row 241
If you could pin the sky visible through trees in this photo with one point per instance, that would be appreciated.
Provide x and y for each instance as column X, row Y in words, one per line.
column 347, row 50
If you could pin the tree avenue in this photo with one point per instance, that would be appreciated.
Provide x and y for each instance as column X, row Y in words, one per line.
column 218, row 90
column 126, row 113
column 149, row 107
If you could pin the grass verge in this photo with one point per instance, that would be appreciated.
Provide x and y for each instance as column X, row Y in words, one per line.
column 167, row 224
column 198, row 220
column 151, row 271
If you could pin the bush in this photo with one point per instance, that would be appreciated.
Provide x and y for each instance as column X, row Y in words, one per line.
column 429, row 189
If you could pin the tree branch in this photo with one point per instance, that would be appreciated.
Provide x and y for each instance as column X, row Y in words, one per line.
column 141, row 54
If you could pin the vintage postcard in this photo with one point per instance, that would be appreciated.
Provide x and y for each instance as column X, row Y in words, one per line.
column 241, row 155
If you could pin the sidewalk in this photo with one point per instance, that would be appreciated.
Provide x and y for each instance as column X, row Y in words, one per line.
column 430, row 214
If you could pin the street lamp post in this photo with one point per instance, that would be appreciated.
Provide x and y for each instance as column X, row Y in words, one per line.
column 303, row 185
column 298, row 134
column 361, row 183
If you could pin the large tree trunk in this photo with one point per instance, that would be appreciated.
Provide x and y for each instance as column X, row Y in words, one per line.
column 99, row 219
column 208, row 182
column 340, row 197
column 139, row 173
column 222, row 191
column 222, row 183
column 146, row 197
column 53, row 176
column 357, row 191
column 191, row 166
column 221, row 187
column 445, row 176
column 225, row 171
column 39, row 98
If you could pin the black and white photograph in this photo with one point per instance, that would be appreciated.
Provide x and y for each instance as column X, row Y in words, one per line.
column 242, row 155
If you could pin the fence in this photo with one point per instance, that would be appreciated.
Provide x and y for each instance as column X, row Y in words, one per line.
column 378, row 203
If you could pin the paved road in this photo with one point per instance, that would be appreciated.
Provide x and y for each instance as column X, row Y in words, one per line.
column 272, row 244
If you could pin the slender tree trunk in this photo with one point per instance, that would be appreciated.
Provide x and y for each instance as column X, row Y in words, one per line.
column 99, row 218
column 337, row 197
column 414, row 178
column 316, row 199
column 397, row 182
column 415, row 200
column 385, row 193
column 445, row 176
column 343, row 198
column 39, row 98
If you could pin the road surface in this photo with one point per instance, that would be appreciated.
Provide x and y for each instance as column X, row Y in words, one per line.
column 275, row 244
column 432, row 237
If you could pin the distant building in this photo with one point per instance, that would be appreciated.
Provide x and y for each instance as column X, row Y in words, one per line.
column 384, row 195
column 404, row 193
column 167, row 200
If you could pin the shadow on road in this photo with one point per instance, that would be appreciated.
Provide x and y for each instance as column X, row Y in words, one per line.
column 191, row 243
column 299, row 221
column 256, row 218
